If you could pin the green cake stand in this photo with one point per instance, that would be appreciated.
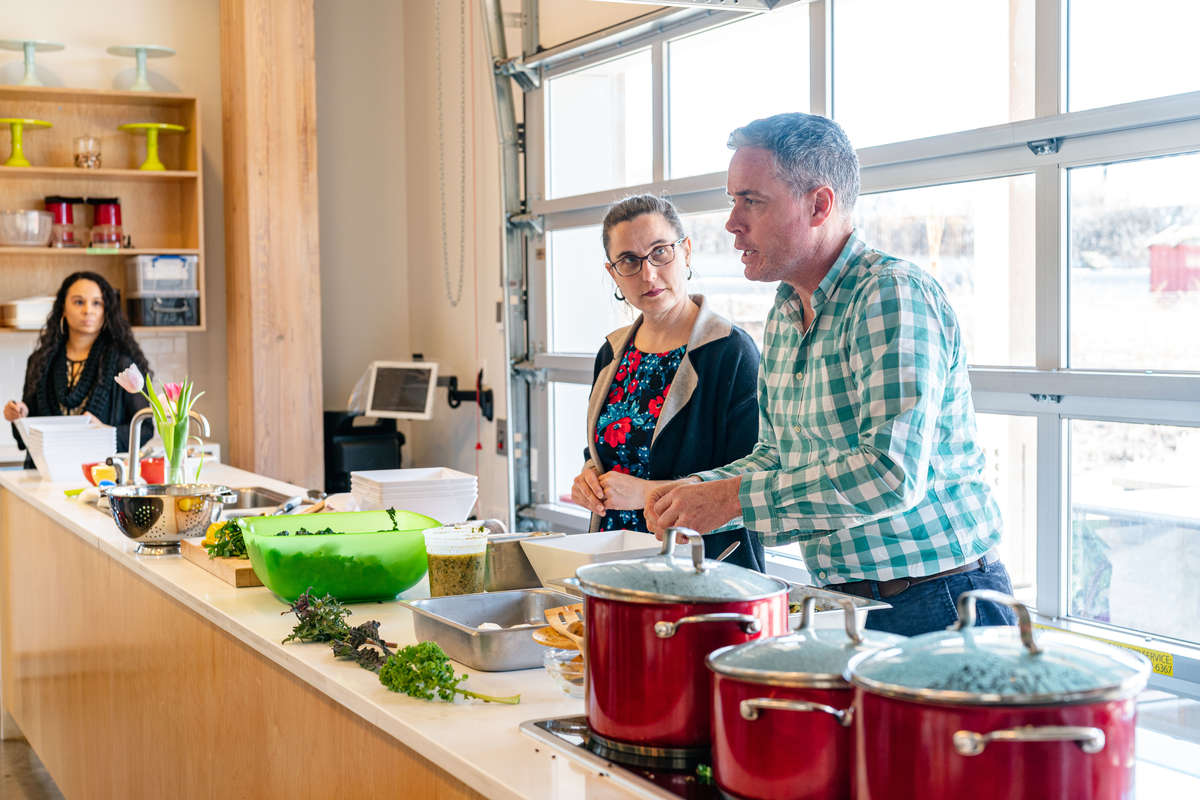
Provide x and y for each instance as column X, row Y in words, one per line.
column 29, row 47
column 151, row 130
column 18, row 125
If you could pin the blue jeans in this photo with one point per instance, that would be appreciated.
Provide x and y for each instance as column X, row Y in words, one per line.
column 931, row 606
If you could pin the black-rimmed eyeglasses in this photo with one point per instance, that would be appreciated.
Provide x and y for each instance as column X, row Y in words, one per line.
column 662, row 255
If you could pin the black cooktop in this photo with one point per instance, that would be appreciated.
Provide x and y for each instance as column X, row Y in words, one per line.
column 569, row 736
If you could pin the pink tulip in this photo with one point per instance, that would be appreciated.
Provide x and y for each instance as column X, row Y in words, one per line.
column 131, row 379
column 172, row 390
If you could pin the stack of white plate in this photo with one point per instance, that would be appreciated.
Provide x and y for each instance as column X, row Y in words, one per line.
column 439, row 492
column 61, row 445
column 28, row 313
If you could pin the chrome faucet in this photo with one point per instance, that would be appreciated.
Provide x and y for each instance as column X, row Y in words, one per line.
column 126, row 473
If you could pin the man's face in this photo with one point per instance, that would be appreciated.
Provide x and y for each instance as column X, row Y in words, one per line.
column 773, row 229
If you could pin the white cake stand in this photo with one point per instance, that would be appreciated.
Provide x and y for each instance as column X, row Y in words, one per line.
column 141, row 52
column 29, row 47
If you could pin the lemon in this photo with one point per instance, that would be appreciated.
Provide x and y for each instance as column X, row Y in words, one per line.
column 210, row 535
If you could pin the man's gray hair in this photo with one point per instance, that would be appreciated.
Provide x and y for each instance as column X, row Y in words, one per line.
column 809, row 150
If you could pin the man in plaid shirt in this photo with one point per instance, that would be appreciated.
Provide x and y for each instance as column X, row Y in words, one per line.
column 867, row 453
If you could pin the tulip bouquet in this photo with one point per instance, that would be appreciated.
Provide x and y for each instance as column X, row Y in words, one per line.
column 170, row 409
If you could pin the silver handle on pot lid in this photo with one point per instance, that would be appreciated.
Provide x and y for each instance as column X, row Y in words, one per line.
column 750, row 623
column 750, row 709
column 1090, row 740
column 966, row 614
column 696, row 540
column 850, row 618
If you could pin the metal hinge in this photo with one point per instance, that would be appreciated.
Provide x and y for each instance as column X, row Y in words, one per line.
column 1044, row 147
column 525, row 370
column 521, row 137
column 1046, row 398
column 531, row 221
column 527, row 78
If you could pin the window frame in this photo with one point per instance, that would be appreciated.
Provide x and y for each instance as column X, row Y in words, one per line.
column 1049, row 392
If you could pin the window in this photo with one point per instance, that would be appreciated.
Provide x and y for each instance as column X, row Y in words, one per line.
column 1135, row 526
column 923, row 67
column 1135, row 265
column 724, row 78
column 977, row 239
column 598, row 122
column 1073, row 264
column 1117, row 56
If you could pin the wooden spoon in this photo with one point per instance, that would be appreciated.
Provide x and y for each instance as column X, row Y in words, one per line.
column 565, row 620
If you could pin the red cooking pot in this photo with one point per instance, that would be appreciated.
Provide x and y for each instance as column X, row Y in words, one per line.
column 648, row 625
column 781, row 710
column 992, row 714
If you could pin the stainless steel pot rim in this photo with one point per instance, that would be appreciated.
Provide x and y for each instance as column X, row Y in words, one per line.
column 654, row 598
column 796, row 680
column 168, row 490
column 945, row 697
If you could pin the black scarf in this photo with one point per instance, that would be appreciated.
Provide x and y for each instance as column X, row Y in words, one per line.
column 93, row 387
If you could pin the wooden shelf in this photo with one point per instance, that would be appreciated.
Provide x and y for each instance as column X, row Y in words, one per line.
column 97, row 174
column 82, row 251
column 95, row 96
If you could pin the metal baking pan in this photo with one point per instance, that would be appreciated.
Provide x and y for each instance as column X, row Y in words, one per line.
column 453, row 622
column 828, row 613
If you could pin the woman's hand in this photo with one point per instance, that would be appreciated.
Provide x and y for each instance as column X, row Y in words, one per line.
column 625, row 492
column 14, row 410
column 585, row 490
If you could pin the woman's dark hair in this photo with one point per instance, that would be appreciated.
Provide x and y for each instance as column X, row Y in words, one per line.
column 635, row 206
column 116, row 330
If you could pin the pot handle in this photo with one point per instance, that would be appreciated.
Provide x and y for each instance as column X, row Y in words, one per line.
column 224, row 495
column 1090, row 740
column 694, row 538
column 808, row 608
column 749, row 623
column 966, row 614
column 750, row 709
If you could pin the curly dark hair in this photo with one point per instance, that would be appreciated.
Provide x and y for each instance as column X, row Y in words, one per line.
column 116, row 330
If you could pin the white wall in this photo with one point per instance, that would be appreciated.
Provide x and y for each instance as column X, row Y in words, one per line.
column 192, row 29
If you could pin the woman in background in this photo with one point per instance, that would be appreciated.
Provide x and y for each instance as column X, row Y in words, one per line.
column 85, row 343
column 674, row 392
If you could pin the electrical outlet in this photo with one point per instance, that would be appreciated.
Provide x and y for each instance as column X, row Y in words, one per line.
column 501, row 437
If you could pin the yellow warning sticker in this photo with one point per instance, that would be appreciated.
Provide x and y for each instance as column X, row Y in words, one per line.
column 1163, row 663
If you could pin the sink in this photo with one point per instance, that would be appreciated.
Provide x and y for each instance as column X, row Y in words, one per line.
column 252, row 501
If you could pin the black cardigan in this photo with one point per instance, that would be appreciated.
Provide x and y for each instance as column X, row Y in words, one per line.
column 121, row 410
column 718, row 423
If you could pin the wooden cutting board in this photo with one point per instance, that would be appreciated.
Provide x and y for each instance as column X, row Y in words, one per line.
column 234, row 571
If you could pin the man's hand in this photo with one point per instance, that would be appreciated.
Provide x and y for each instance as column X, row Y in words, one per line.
column 587, row 492
column 693, row 504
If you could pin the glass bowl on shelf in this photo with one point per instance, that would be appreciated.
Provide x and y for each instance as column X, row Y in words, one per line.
column 567, row 668
column 26, row 228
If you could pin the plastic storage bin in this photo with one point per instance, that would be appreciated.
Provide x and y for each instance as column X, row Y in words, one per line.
column 164, row 308
column 166, row 273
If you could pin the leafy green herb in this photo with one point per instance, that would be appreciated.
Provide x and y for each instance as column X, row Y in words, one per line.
column 227, row 542
column 704, row 774
column 307, row 532
column 423, row 670
column 391, row 512
column 322, row 619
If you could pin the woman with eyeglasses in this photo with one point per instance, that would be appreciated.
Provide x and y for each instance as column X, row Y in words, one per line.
column 673, row 393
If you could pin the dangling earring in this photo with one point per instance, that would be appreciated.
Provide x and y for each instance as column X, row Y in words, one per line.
column 617, row 294
column 62, row 325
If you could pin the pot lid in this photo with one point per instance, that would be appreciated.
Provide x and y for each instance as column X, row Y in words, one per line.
column 1001, row 665
column 807, row 657
column 664, row 579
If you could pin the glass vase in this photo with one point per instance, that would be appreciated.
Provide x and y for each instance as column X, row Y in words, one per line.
column 174, row 435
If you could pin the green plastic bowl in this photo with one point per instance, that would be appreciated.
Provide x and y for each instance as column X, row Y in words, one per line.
column 365, row 560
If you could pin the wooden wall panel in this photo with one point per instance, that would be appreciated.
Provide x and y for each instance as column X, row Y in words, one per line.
column 124, row 692
column 273, row 308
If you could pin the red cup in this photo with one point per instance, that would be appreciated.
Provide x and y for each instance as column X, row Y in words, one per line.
column 153, row 470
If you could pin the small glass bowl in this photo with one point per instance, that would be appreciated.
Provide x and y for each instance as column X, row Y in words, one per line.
column 567, row 669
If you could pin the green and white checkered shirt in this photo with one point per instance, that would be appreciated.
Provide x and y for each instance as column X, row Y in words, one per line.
column 866, row 452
